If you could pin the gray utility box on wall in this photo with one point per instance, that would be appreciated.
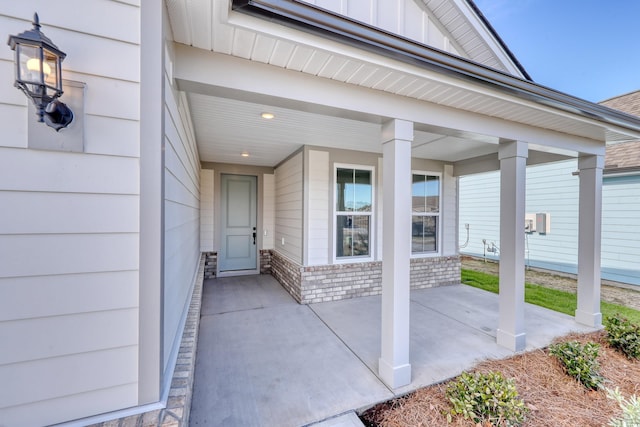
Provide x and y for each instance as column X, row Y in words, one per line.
column 543, row 223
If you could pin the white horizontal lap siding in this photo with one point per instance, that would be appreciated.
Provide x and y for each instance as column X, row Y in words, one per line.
column 620, row 231
column 317, row 234
column 288, row 208
column 69, row 226
column 181, row 216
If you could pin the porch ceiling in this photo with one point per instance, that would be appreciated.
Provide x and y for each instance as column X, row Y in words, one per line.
column 227, row 123
column 225, row 128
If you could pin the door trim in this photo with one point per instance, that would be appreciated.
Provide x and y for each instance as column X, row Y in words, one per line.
column 231, row 273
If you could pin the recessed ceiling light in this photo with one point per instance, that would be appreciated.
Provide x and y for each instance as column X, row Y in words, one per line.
column 267, row 116
column 244, row 154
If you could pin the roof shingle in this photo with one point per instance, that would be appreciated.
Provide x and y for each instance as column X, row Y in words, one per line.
column 627, row 154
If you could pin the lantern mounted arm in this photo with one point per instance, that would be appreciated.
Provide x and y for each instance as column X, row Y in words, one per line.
column 38, row 65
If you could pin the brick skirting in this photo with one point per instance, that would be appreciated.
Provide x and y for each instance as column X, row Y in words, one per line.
column 287, row 273
column 341, row 281
column 265, row 261
column 210, row 264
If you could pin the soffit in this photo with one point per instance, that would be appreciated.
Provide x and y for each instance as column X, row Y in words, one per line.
column 210, row 25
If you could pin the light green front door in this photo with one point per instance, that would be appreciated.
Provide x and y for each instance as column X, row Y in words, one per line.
column 239, row 222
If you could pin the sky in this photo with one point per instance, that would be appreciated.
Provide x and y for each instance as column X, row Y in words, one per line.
column 585, row 48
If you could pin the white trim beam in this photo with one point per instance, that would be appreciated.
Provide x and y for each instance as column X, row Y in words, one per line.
column 513, row 163
column 589, row 240
column 150, row 334
column 394, row 367
column 491, row 162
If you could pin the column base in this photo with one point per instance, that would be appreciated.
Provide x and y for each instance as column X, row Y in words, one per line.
column 511, row 341
column 394, row 377
column 590, row 319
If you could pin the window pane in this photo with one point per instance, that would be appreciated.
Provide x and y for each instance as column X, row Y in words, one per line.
column 362, row 191
column 432, row 193
column 425, row 193
column 424, row 234
column 352, row 235
column 353, row 190
column 418, row 193
column 344, row 189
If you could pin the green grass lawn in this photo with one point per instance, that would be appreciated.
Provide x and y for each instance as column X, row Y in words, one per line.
column 553, row 299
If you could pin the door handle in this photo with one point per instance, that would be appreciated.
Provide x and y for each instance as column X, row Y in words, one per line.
column 254, row 235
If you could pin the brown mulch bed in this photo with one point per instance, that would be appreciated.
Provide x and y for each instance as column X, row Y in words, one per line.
column 554, row 399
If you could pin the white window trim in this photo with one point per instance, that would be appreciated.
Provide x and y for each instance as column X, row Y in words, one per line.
column 372, row 228
column 440, row 237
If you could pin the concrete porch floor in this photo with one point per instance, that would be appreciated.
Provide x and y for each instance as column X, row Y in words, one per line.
column 265, row 360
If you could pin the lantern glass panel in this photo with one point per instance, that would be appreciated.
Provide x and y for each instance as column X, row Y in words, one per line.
column 29, row 63
column 51, row 75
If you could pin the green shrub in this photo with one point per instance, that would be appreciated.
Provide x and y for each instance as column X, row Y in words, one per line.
column 630, row 409
column 486, row 397
column 580, row 362
column 623, row 335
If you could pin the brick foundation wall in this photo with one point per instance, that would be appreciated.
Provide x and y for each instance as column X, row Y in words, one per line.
column 323, row 283
column 432, row 272
column 287, row 273
column 341, row 281
column 265, row 261
column 210, row 264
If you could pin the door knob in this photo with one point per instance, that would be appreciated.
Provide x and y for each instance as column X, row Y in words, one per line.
column 254, row 235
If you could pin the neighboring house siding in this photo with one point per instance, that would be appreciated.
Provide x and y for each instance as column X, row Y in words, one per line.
column 553, row 189
column 550, row 189
column 317, row 211
column 69, row 227
column 288, row 209
column 181, row 218
column 620, row 230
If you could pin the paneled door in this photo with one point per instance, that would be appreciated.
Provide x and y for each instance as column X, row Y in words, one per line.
column 239, row 218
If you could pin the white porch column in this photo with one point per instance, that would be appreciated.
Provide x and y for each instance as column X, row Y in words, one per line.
column 393, row 367
column 589, row 238
column 513, row 163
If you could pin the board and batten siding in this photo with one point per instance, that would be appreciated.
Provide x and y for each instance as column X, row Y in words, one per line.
column 181, row 216
column 69, row 226
column 288, row 208
column 553, row 189
column 317, row 210
column 402, row 17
